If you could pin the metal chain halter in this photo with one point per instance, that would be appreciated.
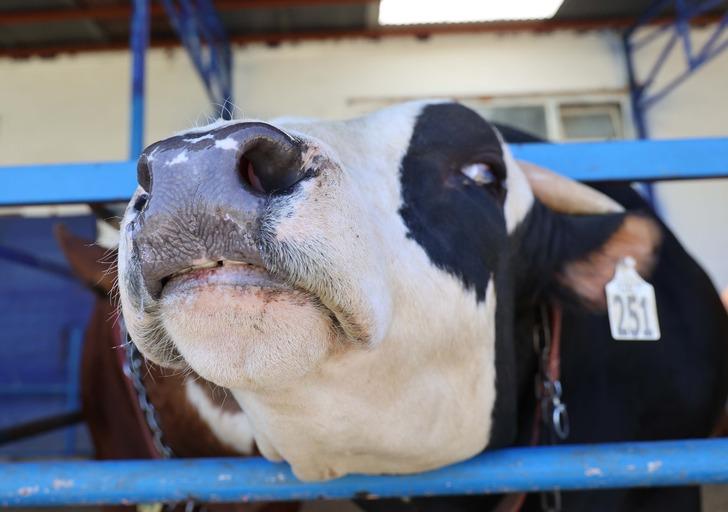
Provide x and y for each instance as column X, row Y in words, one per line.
column 133, row 370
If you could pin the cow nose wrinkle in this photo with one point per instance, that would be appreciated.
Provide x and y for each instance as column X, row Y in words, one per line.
column 271, row 164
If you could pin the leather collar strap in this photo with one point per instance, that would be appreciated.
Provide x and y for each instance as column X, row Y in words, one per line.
column 548, row 395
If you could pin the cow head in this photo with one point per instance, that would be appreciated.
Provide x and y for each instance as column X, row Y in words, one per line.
column 353, row 282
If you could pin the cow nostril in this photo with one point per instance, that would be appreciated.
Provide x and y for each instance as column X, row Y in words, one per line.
column 141, row 201
column 271, row 164
column 144, row 174
column 247, row 170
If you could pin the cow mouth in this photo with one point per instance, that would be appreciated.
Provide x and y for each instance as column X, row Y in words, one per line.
column 221, row 273
column 238, row 325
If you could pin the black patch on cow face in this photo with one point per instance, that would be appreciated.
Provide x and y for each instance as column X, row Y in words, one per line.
column 458, row 223
column 461, row 227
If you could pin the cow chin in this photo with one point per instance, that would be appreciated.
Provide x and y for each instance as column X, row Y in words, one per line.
column 241, row 330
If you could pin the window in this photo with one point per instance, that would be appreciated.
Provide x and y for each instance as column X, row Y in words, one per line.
column 558, row 117
column 529, row 118
column 591, row 121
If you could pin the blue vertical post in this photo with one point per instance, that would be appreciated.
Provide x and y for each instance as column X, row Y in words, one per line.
column 635, row 89
column 138, row 42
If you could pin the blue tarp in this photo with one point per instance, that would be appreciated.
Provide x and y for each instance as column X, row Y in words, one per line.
column 39, row 312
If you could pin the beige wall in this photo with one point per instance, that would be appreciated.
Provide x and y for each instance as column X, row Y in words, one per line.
column 697, row 210
column 75, row 108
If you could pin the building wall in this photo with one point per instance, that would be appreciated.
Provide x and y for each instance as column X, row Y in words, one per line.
column 75, row 108
column 697, row 210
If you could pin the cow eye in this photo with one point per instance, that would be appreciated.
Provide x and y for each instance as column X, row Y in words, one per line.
column 480, row 173
column 488, row 176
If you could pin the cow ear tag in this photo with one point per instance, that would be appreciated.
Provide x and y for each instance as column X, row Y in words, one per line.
column 631, row 305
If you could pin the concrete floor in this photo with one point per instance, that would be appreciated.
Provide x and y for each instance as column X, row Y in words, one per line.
column 715, row 498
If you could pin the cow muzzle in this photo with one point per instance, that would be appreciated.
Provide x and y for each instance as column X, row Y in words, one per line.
column 203, row 197
column 197, row 285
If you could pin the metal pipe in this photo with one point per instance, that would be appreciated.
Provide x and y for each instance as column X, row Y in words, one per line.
column 30, row 260
column 707, row 50
column 636, row 90
column 619, row 160
column 665, row 463
column 203, row 36
column 36, row 427
column 138, row 41
column 70, row 183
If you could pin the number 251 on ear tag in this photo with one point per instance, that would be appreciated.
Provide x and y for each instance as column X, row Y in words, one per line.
column 631, row 305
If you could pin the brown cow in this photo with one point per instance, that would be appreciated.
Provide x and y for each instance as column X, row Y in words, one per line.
column 197, row 418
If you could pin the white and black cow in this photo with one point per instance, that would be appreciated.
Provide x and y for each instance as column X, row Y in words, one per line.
column 366, row 290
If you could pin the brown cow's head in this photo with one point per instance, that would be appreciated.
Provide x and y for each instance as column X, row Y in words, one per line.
column 352, row 282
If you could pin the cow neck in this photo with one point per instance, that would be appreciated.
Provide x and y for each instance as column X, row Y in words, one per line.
column 547, row 346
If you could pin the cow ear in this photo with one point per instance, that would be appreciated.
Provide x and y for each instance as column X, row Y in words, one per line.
column 92, row 264
column 575, row 256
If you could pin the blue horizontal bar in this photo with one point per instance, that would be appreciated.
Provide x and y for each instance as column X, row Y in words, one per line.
column 30, row 260
column 67, row 183
column 626, row 160
column 253, row 479
column 632, row 160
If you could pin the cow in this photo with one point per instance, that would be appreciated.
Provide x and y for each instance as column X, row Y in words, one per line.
column 367, row 292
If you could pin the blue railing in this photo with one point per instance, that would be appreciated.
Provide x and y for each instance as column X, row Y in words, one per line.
column 625, row 160
column 664, row 463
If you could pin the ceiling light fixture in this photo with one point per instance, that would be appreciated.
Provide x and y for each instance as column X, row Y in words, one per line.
column 421, row 12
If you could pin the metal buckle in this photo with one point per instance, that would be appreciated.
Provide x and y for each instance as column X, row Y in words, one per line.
column 560, row 419
column 551, row 501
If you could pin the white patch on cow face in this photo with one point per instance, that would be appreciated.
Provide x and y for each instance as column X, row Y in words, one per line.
column 519, row 199
column 397, row 408
column 230, row 428
column 247, row 336
column 228, row 144
column 179, row 159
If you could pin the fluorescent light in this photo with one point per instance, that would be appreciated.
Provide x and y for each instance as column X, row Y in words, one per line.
column 417, row 12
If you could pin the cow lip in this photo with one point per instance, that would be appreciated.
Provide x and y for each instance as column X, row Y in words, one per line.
column 210, row 267
column 256, row 276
